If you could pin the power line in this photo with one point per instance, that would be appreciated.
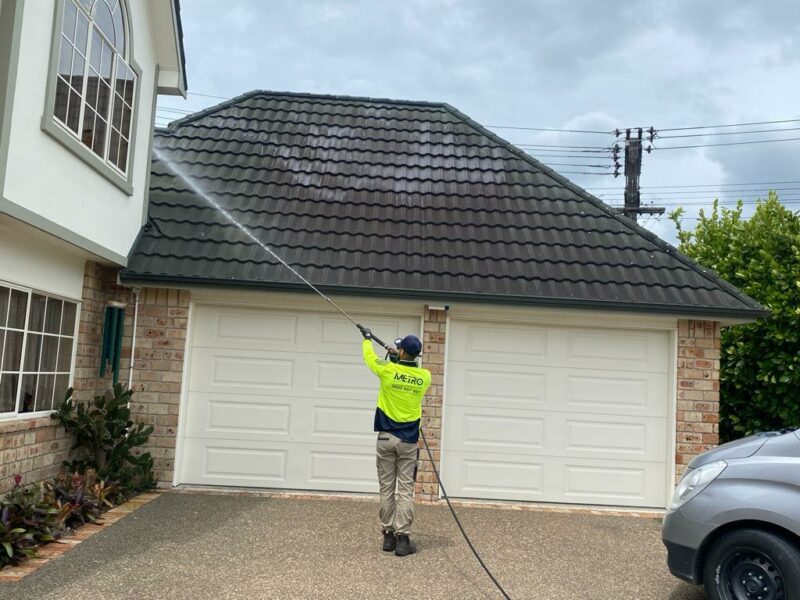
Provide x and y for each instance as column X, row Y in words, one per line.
column 550, row 129
column 709, row 202
column 587, row 148
column 577, row 165
column 753, row 193
column 699, row 185
column 694, row 135
column 726, row 144
column 730, row 125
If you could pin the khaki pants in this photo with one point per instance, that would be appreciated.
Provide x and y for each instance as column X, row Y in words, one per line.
column 396, row 462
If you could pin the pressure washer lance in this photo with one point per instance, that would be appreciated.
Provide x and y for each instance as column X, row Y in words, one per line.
column 196, row 189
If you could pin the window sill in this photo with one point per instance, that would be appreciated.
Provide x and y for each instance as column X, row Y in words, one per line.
column 26, row 422
column 50, row 127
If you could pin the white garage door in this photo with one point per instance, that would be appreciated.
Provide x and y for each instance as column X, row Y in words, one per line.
column 281, row 399
column 556, row 414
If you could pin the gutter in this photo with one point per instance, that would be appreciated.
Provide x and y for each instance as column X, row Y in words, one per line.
column 744, row 315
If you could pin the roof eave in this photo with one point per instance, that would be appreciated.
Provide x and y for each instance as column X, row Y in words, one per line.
column 728, row 315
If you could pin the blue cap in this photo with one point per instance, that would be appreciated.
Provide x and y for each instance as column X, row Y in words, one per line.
column 410, row 344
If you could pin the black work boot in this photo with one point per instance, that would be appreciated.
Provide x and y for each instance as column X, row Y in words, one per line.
column 389, row 541
column 404, row 546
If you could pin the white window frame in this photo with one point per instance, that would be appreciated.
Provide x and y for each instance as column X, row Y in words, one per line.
column 59, row 129
column 16, row 415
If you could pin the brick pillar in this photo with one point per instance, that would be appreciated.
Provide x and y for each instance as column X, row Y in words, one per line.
column 698, row 390
column 158, row 368
column 434, row 338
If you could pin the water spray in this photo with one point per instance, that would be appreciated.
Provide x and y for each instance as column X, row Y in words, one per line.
column 187, row 179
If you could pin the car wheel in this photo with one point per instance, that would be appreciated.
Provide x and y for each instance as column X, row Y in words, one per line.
column 751, row 564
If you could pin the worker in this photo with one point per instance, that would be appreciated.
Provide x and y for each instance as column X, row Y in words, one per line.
column 397, row 420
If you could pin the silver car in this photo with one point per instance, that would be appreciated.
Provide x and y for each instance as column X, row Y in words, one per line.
column 734, row 522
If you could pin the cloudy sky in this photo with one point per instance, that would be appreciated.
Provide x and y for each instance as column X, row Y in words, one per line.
column 577, row 64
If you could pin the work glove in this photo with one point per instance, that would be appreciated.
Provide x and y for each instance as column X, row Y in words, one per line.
column 365, row 332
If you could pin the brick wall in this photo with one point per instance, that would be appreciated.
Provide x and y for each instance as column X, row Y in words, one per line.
column 33, row 448
column 434, row 338
column 158, row 360
column 698, row 390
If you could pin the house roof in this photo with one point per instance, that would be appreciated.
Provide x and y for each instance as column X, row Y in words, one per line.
column 411, row 199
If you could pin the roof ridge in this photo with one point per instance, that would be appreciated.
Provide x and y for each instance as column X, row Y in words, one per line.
column 304, row 95
column 634, row 227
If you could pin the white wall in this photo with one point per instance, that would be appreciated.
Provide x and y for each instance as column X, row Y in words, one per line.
column 45, row 177
column 34, row 259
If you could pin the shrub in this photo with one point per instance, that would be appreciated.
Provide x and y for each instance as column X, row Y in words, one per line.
column 106, row 439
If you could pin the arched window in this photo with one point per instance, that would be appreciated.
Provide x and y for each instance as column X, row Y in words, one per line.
column 95, row 83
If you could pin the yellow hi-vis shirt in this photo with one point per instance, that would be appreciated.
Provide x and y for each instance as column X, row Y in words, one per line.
column 403, row 386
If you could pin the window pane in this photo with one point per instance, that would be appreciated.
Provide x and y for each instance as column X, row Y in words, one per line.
column 13, row 351
column 60, row 392
column 113, row 149
column 103, row 99
column 17, row 309
column 97, row 53
column 2, row 341
column 52, row 321
column 87, row 4
column 4, row 293
column 68, row 321
column 36, row 319
column 88, row 127
column 121, row 76
column 129, row 88
column 125, row 130
column 105, row 66
column 104, row 20
column 82, row 36
column 65, row 59
column 62, row 94
column 99, row 145
column 122, row 161
column 119, row 30
column 8, row 392
column 49, row 352
column 44, row 392
column 32, row 348
column 68, row 26
column 91, row 89
column 74, row 113
column 78, row 66
column 64, row 355
column 28, row 393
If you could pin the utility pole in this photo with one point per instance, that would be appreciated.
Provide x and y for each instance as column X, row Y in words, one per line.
column 633, row 170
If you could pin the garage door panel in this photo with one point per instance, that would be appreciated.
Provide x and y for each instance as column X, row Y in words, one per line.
column 330, row 467
column 510, row 432
column 629, row 351
column 612, row 438
column 496, row 430
column 240, row 372
column 344, row 425
column 242, row 327
column 498, row 343
column 245, row 417
column 557, row 346
column 604, row 392
column 624, row 484
column 554, row 479
column 337, row 334
column 481, row 385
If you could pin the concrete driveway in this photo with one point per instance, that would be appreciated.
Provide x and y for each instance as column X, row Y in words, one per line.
column 209, row 546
